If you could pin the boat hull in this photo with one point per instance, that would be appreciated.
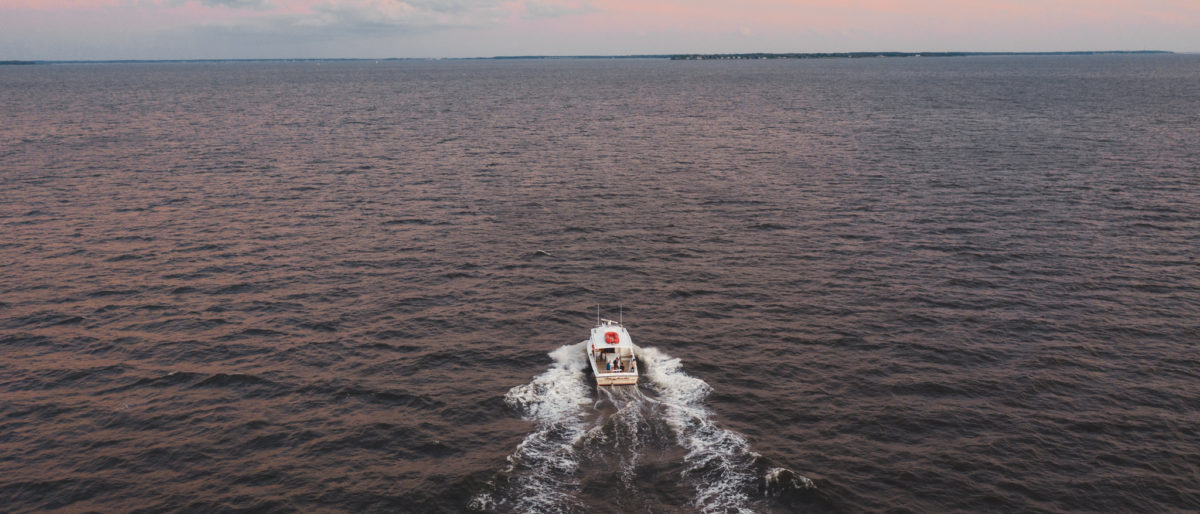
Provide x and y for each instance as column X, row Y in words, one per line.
column 612, row 380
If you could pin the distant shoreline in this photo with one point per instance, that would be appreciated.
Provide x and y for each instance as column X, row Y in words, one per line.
column 673, row 57
column 862, row 55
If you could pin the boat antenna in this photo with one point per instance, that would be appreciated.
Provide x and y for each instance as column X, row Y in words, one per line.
column 621, row 314
column 597, row 314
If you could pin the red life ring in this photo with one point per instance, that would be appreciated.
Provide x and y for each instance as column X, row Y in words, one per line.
column 611, row 338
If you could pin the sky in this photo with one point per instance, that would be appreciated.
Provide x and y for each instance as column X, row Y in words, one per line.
column 239, row 29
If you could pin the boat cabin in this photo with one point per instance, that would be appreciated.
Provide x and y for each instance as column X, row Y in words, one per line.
column 611, row 354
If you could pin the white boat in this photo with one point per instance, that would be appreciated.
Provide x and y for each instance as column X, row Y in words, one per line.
column 610, row 351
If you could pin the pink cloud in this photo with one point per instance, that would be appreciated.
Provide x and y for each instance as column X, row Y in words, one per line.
column 60, row 5
column 883, row 19
column 480, row 27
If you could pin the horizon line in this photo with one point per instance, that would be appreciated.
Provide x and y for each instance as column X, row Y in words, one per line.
column 665, row 56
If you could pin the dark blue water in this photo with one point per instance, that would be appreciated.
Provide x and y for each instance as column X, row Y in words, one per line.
column 858, row 285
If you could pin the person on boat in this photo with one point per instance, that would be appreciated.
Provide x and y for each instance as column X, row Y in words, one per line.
column 607, row 365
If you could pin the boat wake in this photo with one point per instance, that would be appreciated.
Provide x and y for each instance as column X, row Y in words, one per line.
column 545, row 465
column 719, row 462
column 628, row 446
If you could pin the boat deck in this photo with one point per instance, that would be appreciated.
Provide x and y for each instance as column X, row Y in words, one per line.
column 625, row 362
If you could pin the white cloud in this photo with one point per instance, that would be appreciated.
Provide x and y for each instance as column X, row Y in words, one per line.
column 415, row 13
column 555, row 8
column 238, row 4
column 336, row 18
column 257, row 5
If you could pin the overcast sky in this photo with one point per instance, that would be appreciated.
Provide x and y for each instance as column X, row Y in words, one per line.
column 199, row 29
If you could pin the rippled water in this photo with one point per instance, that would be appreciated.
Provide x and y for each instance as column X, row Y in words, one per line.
column 858, row 285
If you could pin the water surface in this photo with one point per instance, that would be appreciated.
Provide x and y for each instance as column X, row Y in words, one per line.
column 859, row 285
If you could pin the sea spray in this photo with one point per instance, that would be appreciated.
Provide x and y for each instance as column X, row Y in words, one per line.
column 544, row 466
column 778, row 480
column 577, row 425
column 719, row 462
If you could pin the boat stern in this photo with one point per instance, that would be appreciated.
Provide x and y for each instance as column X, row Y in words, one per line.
column 617, row 379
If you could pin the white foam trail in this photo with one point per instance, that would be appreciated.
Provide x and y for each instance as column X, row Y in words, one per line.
column 545, row 464
column 780, row 479
column 545, row 468
column 719, row 461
